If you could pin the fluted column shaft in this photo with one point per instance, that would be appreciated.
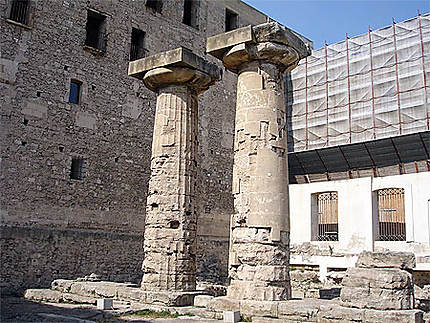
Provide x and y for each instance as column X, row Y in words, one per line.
column 259, row 252
column 171, row 219
column 259, row 236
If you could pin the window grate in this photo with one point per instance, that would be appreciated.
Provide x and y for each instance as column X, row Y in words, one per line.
column 19, row 11
column 391, row 214
column 327, row 204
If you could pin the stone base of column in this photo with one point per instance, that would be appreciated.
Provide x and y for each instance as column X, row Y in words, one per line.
column 170, row 298
column 79, row 291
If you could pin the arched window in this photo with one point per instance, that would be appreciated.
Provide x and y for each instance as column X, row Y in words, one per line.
column 391, row 214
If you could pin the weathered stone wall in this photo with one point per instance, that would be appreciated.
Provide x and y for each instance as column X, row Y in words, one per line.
column 111, row 128
column 36, row 256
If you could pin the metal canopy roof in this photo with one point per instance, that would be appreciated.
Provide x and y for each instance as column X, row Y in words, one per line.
column 364, row 155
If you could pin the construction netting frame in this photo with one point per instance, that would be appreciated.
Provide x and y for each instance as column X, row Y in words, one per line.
column 368, row 87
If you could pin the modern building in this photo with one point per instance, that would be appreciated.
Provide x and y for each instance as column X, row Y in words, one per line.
column 359, row 148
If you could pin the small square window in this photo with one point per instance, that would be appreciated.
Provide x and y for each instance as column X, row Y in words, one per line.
column 155, row 5
column 96, row 30
column 75, row 91
column 77, row 168
column 19, row 11
column 137, row 47
column 231, row 20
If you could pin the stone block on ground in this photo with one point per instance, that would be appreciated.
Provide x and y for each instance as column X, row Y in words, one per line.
column 377, row 288
column 46, row 295
column 250, row 308
column 223, row 303
column 338, row 313
column 407, row 316
column 376, row 298
column 202, row 300
column 401, row 260
column 305, row 310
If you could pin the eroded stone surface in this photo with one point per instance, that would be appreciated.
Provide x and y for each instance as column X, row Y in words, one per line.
column 378, row 288
column 171, row 214
column 390, row 259
column 269, row 40
column 259, row 253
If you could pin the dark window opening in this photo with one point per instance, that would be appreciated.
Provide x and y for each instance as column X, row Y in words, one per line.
column 75, row 91
column 231, row 20
column 25, row 121
column 96, row 30
column 60, row 149
column 155, row 5
column 19, row 11
column 38, row 94
column 137, row 47
column 191, row 8
column 77, row 169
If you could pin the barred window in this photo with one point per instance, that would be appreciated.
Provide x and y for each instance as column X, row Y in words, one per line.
column 19, row 11
column 327, row 216
column 391, row 214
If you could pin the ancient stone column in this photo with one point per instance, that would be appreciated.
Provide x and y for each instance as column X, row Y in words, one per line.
column 177, row 76
column 259, row 239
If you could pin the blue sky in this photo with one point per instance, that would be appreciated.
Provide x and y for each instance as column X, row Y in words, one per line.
column 324, row 20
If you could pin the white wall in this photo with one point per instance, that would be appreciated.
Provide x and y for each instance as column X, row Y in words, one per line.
column 357, row 218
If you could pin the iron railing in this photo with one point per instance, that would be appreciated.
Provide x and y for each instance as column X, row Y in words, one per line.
column 327, row 204
column 391, row 214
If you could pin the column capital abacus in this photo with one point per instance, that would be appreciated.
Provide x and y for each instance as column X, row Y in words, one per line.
column 270, row 42
column 179, row 66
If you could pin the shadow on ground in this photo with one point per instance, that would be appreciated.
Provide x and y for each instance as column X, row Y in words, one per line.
column 17, row 310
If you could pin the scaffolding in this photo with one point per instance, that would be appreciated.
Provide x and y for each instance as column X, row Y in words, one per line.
column 368, row 87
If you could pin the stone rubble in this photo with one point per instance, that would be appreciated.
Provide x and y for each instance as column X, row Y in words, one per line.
column 378, row 282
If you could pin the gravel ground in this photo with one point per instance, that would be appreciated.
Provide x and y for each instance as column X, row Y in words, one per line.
column 17, row 310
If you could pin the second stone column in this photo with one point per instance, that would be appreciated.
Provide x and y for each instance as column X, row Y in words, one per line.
column 259, row 237
column 177, row 76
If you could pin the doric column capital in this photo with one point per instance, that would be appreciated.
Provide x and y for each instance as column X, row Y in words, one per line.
column 175, row 67
column 164, row 76
column 270, row 42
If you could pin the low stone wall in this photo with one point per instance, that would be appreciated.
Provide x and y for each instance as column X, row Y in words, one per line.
column 34, row 257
